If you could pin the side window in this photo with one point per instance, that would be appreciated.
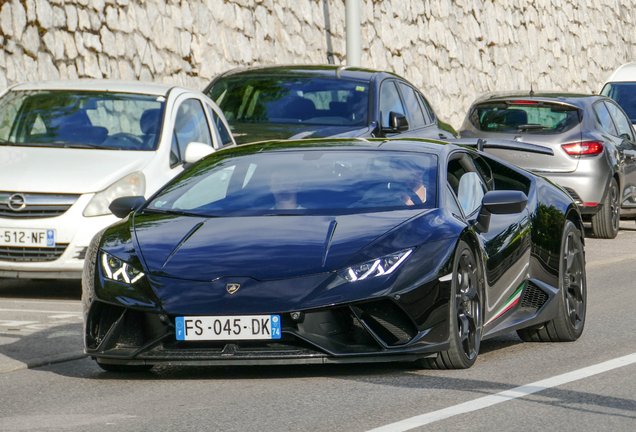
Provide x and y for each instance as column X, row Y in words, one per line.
column 428, row 111
column 622, row 122
column 191, row 125
column 175, row 157
column 452, row 202
column 504, row 177
column 605, row 119
column 226, row 137
column 416, row 117
column 389, row 101
column 466, row 183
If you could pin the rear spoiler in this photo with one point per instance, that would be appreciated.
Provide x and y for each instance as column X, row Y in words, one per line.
column 481, row 144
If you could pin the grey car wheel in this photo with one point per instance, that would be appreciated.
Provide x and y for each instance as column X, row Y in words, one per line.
column 605, row 223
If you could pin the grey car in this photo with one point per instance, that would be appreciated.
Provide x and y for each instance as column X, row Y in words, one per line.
column 592, row 140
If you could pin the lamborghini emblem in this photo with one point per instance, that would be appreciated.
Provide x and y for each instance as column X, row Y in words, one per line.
column 232, row 287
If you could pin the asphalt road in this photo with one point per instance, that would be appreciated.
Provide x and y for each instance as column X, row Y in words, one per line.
column 586, row 385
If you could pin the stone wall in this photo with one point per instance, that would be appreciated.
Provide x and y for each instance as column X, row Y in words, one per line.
column 452, row 50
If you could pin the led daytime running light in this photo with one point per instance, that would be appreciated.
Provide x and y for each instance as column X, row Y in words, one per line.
column 378, row 267
column 120, row 271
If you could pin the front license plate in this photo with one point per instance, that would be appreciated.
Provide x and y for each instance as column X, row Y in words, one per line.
column 27, row 237
column 211, row 328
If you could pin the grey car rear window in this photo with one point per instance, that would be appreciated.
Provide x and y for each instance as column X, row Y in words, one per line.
column 524, row 116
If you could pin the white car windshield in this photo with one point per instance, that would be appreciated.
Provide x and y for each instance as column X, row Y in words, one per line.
column 81, row 119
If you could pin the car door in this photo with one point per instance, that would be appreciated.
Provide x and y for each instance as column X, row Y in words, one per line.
column 436, row 129
column 627, row 147
column 507, row 241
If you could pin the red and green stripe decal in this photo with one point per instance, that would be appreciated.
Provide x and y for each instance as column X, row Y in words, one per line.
column 513, row 300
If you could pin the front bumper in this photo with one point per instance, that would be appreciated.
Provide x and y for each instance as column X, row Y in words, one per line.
column 66, row 261
column 372, row 331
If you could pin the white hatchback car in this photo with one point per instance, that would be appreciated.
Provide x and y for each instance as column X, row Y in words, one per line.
column 69, row 148
column 621, row 86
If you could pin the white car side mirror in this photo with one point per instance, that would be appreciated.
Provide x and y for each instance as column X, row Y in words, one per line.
column 195, row 151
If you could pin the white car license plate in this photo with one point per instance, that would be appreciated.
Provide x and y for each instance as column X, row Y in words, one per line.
column 27, row 237
column 211, row 328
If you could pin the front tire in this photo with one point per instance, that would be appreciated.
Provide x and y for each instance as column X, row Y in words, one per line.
column 568, row 325
column 606, row 222
column 466, row 322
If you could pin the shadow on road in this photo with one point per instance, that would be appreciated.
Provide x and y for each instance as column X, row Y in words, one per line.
column 63, row 289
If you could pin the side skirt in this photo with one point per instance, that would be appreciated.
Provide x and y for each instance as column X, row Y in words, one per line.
column 521, row 316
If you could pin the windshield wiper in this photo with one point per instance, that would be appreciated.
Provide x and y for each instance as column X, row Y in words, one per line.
column 532, row 127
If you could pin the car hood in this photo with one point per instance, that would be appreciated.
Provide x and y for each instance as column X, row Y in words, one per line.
column 263, row 248
column 66, row 170
column 250, row 132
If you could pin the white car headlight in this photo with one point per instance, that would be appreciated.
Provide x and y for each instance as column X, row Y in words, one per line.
column 119, row 271
column 132, row 185
column 377, row 267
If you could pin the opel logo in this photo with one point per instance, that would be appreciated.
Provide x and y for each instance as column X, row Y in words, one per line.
column 232, row 287
column 17, row 202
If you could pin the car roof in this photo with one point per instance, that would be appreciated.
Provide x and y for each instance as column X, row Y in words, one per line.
column 116, row 86
column 331, row 71
column 624, row 73
column 576, row 99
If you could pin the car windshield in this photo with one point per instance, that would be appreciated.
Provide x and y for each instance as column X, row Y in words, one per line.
column 81, row 119
column 292, row 100
column 624, row 94
column 302, row 182
column 524, row 116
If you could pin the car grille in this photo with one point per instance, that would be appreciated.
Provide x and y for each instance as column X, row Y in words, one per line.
column 34, row 206
column 24, row 254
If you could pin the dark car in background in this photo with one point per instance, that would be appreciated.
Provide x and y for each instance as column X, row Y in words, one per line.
column 593, row 143
column 335, row 251
column 295, row 102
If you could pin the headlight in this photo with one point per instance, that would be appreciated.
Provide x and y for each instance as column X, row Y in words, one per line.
column 378, row 267
column 132, row 185
column 120, row 271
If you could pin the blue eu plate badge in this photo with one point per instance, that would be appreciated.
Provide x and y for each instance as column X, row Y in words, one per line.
column 50, row 238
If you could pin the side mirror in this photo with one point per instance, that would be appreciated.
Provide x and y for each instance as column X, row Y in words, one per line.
column 500, row 202
column 195, row 151
column 398, row 122
column 121, row 207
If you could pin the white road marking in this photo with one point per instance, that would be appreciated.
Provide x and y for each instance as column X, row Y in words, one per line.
column 15, row 323
column 49, row 302
column 66, row 315
column 40, row 311
column 515, row 393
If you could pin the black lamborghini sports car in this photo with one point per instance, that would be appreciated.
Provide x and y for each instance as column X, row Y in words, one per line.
column 335, row 251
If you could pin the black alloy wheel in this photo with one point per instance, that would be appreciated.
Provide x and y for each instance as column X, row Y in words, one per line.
column 466, row 322
column 605, row 223
column 568, row 325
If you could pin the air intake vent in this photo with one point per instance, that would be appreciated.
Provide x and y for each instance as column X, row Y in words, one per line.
column 388, row 322
column 533, row 297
